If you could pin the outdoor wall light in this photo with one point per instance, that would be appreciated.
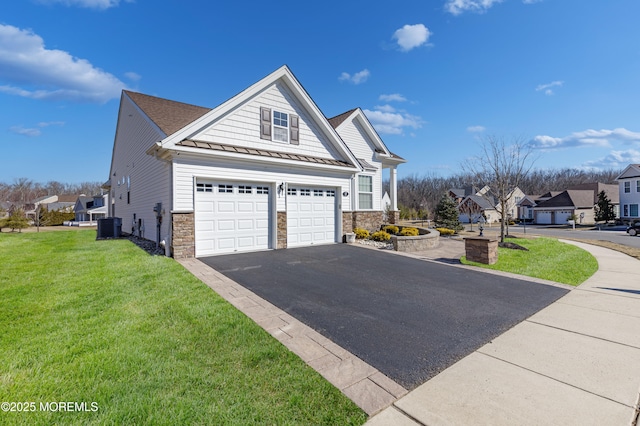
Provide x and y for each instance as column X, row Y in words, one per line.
column 345, row 194
column 281, row 187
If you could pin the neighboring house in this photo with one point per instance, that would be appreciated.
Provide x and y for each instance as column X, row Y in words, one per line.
column 578, row 200
column 52, row 202
column 525, row 207
column 629, row 193
column 473, row 206
column 90, row 209
column 264, row 170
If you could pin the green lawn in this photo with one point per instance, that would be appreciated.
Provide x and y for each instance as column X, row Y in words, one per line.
column 547, row 258
column 102, row 321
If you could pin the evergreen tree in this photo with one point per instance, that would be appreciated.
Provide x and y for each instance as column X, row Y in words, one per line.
column 604, row 209
column 17, row 221
column 447, row 214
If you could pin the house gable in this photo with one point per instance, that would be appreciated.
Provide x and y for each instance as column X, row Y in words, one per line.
column 630, row 172
column 241, row 126
column 237, row 122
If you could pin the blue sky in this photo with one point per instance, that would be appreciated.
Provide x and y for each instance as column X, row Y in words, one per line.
column 435, row 77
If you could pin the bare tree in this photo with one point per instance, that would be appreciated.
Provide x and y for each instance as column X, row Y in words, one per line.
column 502, row 167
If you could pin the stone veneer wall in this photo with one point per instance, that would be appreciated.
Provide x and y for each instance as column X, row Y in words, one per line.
column 282, row 230
column 183, row 242
column 369, row 220
column 482, row 250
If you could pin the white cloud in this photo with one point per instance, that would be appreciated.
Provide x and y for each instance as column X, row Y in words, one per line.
column 457, row 7
column 394, row 97
column 25, row 131
column 411, row 36
column 476, row 129
column 34, row 131
column 91, row 4
column 386, row 120
column 357, row 78
column 547, row 88
column 33, row 71
column 588, row 137
column 132, row 76
column 615, row 160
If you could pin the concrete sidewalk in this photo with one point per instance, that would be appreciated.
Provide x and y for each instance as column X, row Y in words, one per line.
column 576, row 362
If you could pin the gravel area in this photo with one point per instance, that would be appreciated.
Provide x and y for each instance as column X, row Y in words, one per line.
column 146, row 245
column 377, row 244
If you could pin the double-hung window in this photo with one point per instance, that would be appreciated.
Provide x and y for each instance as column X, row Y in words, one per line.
column 627, row 187
column 280, row 126
column 638, row 186
column 365, row 192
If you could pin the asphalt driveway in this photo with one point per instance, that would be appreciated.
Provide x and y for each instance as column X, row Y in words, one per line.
column 408, row 318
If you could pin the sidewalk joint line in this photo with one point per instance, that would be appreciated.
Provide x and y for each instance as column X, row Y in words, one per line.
column 404, row 413
column 554, row 379
column 582, row 334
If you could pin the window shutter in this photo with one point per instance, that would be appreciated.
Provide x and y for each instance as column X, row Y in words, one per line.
column 294, row 129
column 265, row 123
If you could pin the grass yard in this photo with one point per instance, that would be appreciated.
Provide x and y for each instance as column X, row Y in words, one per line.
column 103, row 322
column 547, row 259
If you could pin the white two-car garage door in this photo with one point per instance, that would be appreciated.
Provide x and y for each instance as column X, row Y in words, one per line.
column 311, row 215
column 231, row 217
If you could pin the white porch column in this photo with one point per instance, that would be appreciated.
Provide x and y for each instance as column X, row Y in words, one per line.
column 393, row 187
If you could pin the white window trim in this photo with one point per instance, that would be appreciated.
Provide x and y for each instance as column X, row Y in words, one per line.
column 275, row 126
column 365, row 193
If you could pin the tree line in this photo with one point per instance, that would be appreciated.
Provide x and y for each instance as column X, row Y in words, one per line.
column 24, row 191
column 419, row 195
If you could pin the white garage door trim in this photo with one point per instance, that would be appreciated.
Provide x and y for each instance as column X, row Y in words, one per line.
column 311, row 215
column 232, row 217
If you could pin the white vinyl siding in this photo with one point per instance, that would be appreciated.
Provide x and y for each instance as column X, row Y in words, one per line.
column 241, row 127
column 186, row 169
column 144, row 180
column 362, row 147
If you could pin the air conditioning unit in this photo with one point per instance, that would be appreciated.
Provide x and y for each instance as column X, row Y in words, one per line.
column 110, row 227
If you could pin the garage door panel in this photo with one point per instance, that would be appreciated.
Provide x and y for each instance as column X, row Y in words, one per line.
column 226, row 207
column 232, row 217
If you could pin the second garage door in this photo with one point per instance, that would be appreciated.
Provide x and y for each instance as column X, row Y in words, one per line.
column 311, row 215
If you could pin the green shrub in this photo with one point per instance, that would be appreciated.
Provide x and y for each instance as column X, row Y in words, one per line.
column 409, row 232
column 445, row 231
column 380, row 236
column 361, row 234
column 391, row 229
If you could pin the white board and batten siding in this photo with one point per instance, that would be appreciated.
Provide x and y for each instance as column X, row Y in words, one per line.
column 145, row 178
column 362, row 147
column 241, row 127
